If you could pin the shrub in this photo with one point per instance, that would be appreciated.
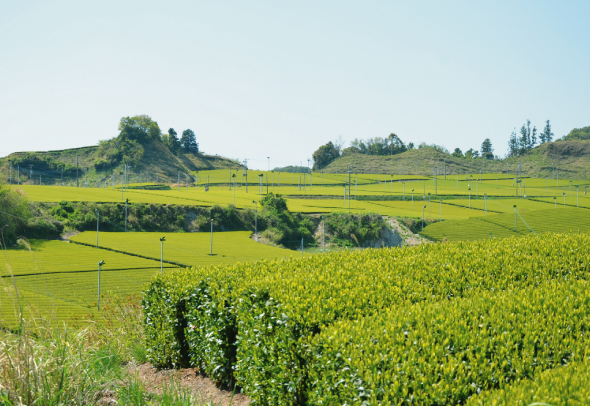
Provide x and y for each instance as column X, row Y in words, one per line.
column 267, row 313
column 444, row 353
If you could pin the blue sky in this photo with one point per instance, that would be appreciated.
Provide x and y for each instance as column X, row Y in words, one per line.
column 275, row 78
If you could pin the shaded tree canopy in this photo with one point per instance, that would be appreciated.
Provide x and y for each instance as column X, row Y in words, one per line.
column 518, row 145
column 547, row 135
column 324, row 155
column 391, row 145
column 171, row 140
column 487, row 151
column 188, row 141
column 578, row 134
column 139, row 128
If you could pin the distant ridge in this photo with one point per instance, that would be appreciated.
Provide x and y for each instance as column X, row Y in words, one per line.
column 571, row 159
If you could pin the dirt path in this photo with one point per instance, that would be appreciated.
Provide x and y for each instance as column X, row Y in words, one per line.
column 201, row 386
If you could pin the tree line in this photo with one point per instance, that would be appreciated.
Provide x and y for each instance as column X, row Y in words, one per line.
column 392, row 145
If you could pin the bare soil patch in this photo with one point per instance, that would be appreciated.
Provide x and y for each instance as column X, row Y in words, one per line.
column 200, row 386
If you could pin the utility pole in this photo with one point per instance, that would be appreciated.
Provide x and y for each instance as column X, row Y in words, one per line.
column 268, row 170
column 18, row 174
column 10, row 173
column 98, row 299
column 97, row 223
column 348, row 188
column 211, row 252
column 77, row 168
column 162, row 255
column 515, row 218
column 126, row 201
column 255, row 219
column 323, row 234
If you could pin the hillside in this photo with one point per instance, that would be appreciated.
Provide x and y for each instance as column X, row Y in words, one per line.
column 155, row 159
column 570, row 157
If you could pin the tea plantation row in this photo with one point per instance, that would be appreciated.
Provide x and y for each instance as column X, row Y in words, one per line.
column 433, row 324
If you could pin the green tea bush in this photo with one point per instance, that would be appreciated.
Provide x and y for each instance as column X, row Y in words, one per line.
column 444, row 353
column 568, row 385
column 254, row 323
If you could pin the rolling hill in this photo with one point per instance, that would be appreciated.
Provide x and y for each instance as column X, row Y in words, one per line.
column 156, row 159
column 570, row 157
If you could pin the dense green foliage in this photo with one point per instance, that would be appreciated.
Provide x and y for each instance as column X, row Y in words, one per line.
column 81, row 216
column 324, row 155
column 281, row 226
column 14, row 214
column 444, row 353
column 569, row 385
column 391, row 145
column 256, row 322
column 112, row 152
column 577, row 134
column 347, row 230
column 39, row 162
column 20, row 218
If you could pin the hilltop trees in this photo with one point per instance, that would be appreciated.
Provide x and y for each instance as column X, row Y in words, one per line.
column 324, row 155
column 138, row 128
column 546, row 135
column 171, row 141
column 188, row 141
column 391, row 145
column 518, row 145
column 486, row 149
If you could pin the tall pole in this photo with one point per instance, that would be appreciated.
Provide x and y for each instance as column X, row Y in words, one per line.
column 18, row 174
column 268, row 170
column 323, row 234
column 162, row 255
column 349, row 189
column 126, row 201
column 577, row 196
column 514, row 218
column 178, row 181
column 97, row 223
column 77, row 168
column 423, row 207
column 440, row 210
column 211, row 252
column 11, row 173
column 255, row 219
column 98, row 298
column 412, row 199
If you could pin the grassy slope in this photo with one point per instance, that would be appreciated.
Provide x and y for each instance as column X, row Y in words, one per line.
column 571, row 158
column 156, row 157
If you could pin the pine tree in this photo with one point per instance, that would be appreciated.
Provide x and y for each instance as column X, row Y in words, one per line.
column 513, row 147
column 546, row 135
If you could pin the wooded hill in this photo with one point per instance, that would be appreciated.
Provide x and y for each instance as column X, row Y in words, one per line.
column 145, row 153
column 571, row 160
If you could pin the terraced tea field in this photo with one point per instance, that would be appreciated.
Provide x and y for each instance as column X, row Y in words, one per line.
column 60, row 280
column 190, row 249
column 559, row 220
